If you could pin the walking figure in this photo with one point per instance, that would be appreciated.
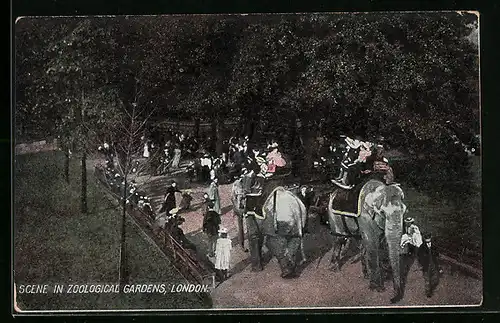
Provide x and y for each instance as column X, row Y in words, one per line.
column 211, row 223
column 428, row 257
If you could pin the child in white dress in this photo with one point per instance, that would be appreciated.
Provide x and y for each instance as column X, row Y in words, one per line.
column 223, row 253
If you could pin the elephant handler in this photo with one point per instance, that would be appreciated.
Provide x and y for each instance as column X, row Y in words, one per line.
column 428, row 257
column 306, row 198
column 411, row 240
column 254, row 201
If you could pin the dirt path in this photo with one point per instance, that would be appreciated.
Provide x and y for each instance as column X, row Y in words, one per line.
column 317, row 286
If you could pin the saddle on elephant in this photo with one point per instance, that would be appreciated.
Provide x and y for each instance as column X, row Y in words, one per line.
column 260, row 192
column 347, row 202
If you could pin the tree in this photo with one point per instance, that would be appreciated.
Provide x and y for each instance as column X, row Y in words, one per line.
column 127, row 145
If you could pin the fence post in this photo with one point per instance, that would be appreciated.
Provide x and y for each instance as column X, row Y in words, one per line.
column 173, row 248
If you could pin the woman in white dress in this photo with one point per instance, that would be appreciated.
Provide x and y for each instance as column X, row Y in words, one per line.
column 145, row 154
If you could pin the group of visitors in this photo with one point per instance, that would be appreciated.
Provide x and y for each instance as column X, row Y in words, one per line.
column 415, row 245
column 353, row 159
column 164, row 153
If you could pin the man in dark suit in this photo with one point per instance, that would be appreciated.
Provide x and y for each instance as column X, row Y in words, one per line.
column 428, row 258
column 305, row 196
column 211, row 224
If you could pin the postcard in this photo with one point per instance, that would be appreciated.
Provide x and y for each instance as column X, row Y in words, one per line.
column 174, row 163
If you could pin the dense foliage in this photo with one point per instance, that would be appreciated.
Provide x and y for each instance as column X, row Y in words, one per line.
column 402, row 76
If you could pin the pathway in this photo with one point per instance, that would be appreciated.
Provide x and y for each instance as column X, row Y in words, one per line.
column 317, row 286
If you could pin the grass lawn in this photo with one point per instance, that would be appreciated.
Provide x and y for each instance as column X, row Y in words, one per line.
column 55, row 244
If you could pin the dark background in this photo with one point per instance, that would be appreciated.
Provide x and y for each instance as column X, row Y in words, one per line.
column 489, row 81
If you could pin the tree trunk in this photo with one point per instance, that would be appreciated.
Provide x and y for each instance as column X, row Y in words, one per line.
column 213, row 134
column 66, row 165
column 84, row 183
column 123, row 278
column 308, row 136
column 220, row 136
column 197, row 128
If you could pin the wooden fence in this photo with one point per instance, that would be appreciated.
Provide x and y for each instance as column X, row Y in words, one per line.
column 187, row 262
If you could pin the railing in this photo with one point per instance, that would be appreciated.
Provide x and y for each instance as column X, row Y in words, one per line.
column 187, row 263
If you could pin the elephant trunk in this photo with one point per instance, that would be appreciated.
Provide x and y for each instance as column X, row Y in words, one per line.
column 393, row 232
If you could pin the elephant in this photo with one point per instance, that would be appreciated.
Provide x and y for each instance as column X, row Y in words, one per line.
column 282, row 227
column 379, row 225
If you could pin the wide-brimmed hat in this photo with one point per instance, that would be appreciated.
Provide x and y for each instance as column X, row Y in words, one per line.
column 409, row 220
column 354, row 144
column 223, row 230
column 367, row 144
column 174, row 211
column 260, row 160
column 274, row 145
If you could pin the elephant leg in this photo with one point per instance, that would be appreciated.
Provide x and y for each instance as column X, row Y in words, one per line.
column 359, row 252
column 241, row 232
column 364, row 266
column 293, row 246
column 338, row 243
column 277, row 245
column 255, row 244
column 373, row 263
column 346, row 247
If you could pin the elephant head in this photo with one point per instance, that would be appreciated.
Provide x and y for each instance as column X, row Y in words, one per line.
column 388, row 208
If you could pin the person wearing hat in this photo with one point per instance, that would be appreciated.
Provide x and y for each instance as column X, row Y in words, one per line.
column 349, row 159
column 411, row 240
column 206, row 166
column 378, row 165
column 223, row 254
column 211, row 223
column 274, row 158
column 213, row 194
column 238, row 158
column 428, row 258
column 169, row 198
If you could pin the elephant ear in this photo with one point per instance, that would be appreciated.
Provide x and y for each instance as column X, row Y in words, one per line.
column 376, row 199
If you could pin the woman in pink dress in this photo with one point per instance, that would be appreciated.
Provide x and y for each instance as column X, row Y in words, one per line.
column 275, row 159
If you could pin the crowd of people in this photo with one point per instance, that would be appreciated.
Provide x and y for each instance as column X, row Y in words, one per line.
column 346, row 162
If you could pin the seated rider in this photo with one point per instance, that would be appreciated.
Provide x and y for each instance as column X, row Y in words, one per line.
column 349, row 159
column 379, row 166
column 254, row 197
column 275, row 160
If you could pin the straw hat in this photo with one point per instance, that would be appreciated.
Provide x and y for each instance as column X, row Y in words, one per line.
column 354, row 144
column 223, row 230
column 260, row 160
column 174, row 211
